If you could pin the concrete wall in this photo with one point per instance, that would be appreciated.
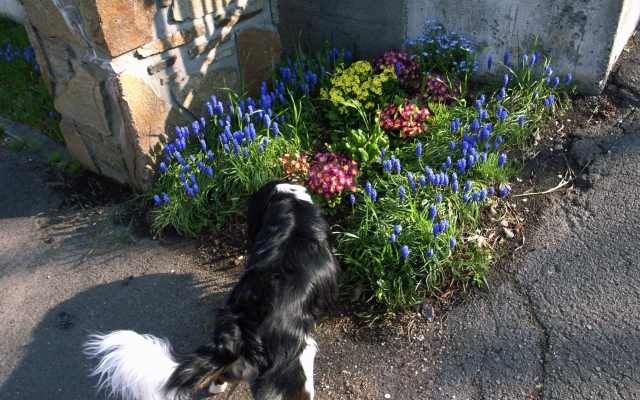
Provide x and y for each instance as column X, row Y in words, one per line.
column 124, row 73
column 12, row 8
column 583, row 37
column 372, row 25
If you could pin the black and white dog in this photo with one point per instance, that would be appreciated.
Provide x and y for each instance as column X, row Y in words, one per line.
column 263, row 334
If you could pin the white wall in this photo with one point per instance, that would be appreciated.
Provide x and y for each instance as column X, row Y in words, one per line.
column 12, row 8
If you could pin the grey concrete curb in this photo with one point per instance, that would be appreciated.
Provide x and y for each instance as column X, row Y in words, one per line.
column 32, row 137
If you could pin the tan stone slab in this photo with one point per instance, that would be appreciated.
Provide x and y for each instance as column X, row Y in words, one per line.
column 146, row 118
column 103, row 155
column 60, row 65
column 76, row 145
column 225, row 35
column 83, row 100
column 36, row 42
column 118, row 174
column 161, row 65
column 258, row 51
column 166, row 79
column 182, row 10
column 217, row 55
column 59, row 46
column 192, row 92
column 172, row 41
column 50, row 21
column 91, row 132
column 118, row 26
column 275, row 15
column 234, row 14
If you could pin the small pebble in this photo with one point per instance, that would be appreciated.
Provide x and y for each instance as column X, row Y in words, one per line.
column 387, row 396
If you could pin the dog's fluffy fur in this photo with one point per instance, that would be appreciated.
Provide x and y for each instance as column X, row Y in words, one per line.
column 262, row 334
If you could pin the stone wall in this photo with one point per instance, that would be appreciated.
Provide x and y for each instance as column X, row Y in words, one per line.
column 124, row 73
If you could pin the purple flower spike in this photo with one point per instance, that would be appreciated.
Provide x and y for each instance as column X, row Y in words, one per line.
column 432, row 212
column 398, row 229
column 402, row 193
column 502, row 160
column 521, row 121
column 374, row 195
column 404, row 252
column 465, row 198
column 352, row 198
column 367, row 188
column 165, row 198
column 436, row 230
column 452, row 243
column 489, row 62
column 504, row 192
column 505, row 80
column 556, row 81
column 419, row 149
column 392, row 238
column 157, row 200
column 430, row 253
column 467, row 186
column 491, row 191
column 387, row 165
column 567, row 80
column 452, row 145
column 506, row 58
column 163, row 167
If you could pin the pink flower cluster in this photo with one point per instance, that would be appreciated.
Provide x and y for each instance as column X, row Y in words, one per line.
column 408, row 119
column 330, row 174
column 405, row 68
column 441, row 89
column 294, row 165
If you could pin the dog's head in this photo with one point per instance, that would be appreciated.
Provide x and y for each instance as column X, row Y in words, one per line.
column 270, row 193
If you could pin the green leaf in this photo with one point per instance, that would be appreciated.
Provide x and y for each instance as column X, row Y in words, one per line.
column 364, row 156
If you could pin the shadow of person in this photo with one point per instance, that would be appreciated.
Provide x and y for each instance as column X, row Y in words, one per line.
column 52, row 364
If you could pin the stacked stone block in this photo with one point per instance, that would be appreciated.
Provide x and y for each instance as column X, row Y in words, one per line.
column 124, row 73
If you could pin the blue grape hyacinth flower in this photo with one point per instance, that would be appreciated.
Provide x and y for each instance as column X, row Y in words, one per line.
column 402, row 193
column 502, row 160
column 404, row 252
column 567, row 80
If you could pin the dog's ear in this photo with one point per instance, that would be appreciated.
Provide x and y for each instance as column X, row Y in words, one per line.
column 256, row 208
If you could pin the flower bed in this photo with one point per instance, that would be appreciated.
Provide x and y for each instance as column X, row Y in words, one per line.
column 399, row 145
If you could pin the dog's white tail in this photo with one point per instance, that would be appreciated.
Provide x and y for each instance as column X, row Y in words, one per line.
column 133, row 366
